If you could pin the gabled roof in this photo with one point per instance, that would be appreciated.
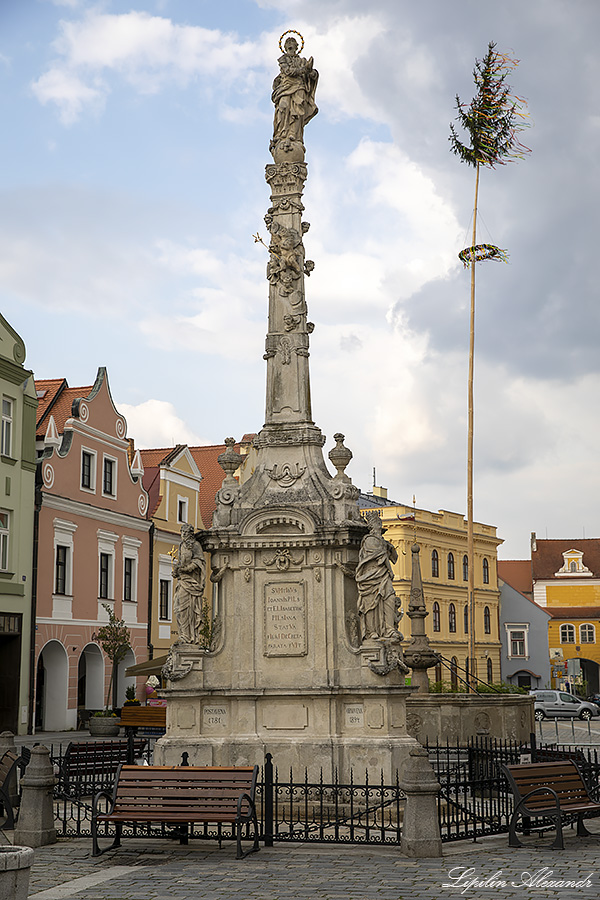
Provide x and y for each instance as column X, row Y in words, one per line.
column 547, row 558
column 517, row 574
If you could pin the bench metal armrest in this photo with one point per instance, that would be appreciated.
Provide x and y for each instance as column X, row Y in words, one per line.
column 110, row 796
column 539, row 790
column 247, row 816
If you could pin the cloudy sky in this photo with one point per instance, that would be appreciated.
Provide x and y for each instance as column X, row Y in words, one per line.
column 134, row 140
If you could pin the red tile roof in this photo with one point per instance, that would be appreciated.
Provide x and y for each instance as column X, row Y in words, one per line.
column 57, row 402
column 516, row 573
column 547, row 558
column 212, row 477
column 574, row 612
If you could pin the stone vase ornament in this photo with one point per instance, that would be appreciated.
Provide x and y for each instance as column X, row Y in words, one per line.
column 103, row 726
column 15, row 865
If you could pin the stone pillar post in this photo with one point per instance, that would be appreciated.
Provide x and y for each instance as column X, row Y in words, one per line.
column 421, row 828
column 7, row 742
column 35, row 826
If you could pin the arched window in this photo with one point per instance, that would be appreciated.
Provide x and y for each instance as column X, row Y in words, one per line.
column 490, row 671
column 587, row 634
column 465, row 568
column 567, row 634
column 436, row 616
column 466, row 619
column 454, row 673
column 467, row 669
column 451, row 566
column 487, row 620
column 486, row 571
column 573, row 566
column 438, row 672
column 435, row 564
column 452, row 618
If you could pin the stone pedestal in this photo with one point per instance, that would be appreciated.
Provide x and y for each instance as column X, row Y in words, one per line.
column 35, row 826
column 420, row 827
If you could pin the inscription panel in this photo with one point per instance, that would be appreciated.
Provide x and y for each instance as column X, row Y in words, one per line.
column 285, row 619
column 214, row 715
column 355, row 715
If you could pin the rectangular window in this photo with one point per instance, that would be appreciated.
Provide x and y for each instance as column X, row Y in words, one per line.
column 182, row 510
column 128, row 578
column 60, row 580
column 7, row 420
column 104, row 576
column 164, row 599
column 4, row 534
column 108, row 480
column 517, row 643
column 88, row 475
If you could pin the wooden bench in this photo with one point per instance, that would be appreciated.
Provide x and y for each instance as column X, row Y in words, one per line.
column 144, row 717
column 179, row 795
column 90, row 765
column 10, row 763
column 551, row 790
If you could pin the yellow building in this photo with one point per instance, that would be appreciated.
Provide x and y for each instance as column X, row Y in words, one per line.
column 172, row 479
column 566, row 581
column 442, row 537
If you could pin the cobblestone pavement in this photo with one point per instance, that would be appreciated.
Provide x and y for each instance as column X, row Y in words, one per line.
column 161, row 870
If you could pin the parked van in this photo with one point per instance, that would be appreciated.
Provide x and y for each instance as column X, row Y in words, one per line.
column 560, row 703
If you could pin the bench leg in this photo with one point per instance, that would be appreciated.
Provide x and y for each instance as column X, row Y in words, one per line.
column 6, row 808
column 513, row 840
column 96, row 851
column 581, row 829
column 559, row 843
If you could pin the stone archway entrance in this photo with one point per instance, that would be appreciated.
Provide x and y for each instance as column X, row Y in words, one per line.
column 123, row 680
column 590, row 672
column 52, row 688
column 90, row 681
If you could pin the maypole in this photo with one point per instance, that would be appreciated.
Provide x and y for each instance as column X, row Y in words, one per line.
column 492, row 121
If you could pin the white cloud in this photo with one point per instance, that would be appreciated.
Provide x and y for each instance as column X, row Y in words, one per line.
column 155, row 423
column 68, row 91
column 147, row 51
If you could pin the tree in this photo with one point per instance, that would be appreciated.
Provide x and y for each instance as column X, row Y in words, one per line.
column 114, row 638
column 492, row 121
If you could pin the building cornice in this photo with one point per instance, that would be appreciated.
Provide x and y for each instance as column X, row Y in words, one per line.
column 109, row 516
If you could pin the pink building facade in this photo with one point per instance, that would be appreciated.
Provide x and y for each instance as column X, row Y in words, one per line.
column 92, row 550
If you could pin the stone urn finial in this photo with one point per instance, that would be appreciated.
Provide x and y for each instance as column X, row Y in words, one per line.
column 340, row 456
column 230, row 461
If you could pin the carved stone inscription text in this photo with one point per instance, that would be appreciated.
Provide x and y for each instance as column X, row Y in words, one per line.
column 285, row 619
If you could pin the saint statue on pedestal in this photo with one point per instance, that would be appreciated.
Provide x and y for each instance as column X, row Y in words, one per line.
column 293, row 94
column 377, row 601
column 190, row 571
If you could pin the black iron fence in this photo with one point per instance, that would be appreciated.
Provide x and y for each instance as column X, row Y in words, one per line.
column 474, row 799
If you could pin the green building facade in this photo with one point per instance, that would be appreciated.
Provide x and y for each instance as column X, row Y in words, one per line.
column 17, row 485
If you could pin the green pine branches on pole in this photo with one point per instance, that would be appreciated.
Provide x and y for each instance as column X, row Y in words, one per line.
column 494, row 117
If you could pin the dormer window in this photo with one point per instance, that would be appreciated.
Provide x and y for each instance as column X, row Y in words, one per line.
column 573, row 564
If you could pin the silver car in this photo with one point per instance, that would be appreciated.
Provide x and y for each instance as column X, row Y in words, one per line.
column 560, row 703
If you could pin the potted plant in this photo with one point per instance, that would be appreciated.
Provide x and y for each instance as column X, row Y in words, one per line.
column 104, row 723
column 130, row 698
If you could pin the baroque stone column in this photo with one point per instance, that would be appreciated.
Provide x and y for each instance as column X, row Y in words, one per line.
column 419, row 656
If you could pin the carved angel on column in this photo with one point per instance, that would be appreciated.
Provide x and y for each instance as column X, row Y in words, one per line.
column 293, row 94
